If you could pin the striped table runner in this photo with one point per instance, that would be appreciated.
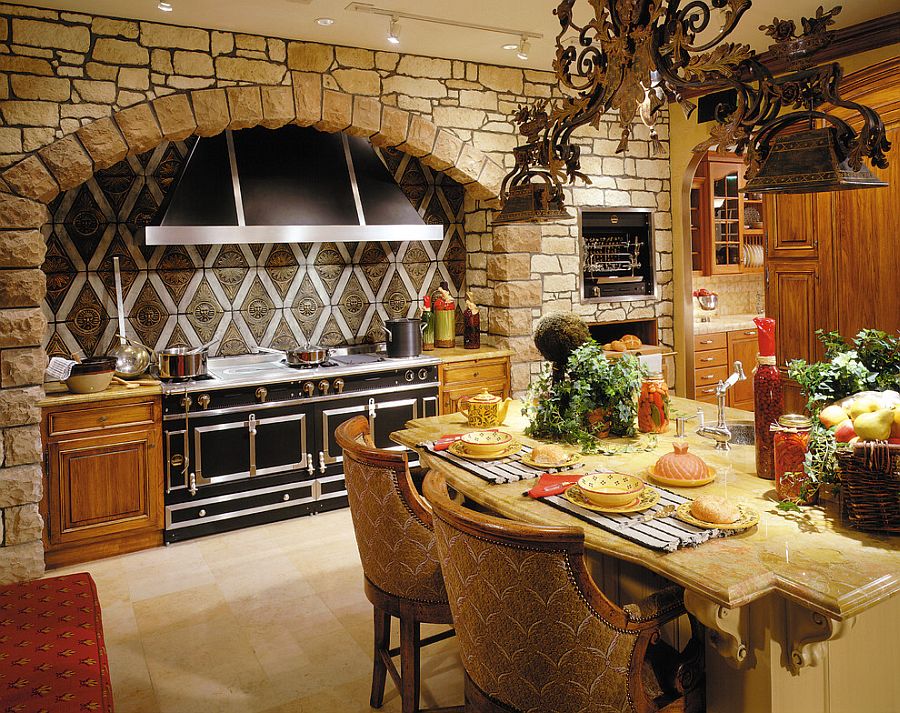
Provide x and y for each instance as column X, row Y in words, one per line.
column 503, row 470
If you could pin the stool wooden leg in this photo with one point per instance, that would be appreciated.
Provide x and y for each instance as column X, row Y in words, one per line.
column 382, row 644
column 409, row 662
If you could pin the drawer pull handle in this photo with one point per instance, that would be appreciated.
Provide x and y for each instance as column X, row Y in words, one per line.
column 751, row 333
column 103, row 419
column 286, row 497
column 202, row 513
column 475, row 374
column 708, row 391
column 706, row 341
column 708, row 359
column 707, row 377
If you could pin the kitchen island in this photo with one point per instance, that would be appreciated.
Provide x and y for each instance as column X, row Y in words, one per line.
column 800, row 609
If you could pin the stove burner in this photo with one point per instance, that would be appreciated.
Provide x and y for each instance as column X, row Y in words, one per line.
column 324, row 364
column 185, row 379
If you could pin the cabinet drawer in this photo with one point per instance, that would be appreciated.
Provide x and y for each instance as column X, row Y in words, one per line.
column 104, row 416
column 710, row 376
column 714, row 340
column 741, row 334
column 475, row 370
column 707, row 394
column 713, row 357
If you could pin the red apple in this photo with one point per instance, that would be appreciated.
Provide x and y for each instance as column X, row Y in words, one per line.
column 844, row 431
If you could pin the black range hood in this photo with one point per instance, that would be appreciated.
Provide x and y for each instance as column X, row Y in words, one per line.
column 287, row 185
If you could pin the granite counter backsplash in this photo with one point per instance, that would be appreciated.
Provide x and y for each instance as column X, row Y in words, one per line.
column 242, row 296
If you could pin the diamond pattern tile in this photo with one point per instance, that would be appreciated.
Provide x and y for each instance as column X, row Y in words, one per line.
column 116, row 183
column 329, row 264
column 284, row 337
column 282, row 266
column 332, row 334
column 85, row 222
column 353, row 304
column 307, row 307
column 148, row 315
column 396, row 298
column 233, row 342
column 60, row 272
column 230, row 268
column 87, row 319
column 257, row 309
column 204, row 312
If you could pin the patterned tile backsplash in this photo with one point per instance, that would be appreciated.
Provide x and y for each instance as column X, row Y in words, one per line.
column 743, row 293
column 241, row 296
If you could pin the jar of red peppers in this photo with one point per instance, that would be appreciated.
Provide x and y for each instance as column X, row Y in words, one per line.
column 653, row 405
column 768, row 397
column 791, row 439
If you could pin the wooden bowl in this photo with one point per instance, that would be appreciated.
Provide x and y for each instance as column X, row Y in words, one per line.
column 610, row 489
column 486, row 443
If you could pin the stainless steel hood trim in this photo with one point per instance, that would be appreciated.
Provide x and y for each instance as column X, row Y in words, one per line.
column 235, row 179
column 228, row 234
column 354, row 184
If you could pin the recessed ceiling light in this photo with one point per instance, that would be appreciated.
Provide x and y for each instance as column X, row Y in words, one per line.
column 511, row 46
column 394, row 32
column 325, row 21
column 164, row 6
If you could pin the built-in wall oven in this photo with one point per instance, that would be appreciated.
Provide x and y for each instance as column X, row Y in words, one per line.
column 246, row 454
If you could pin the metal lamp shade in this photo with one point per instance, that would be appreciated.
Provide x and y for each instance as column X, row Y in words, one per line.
column 809, row 162
column 530, row 203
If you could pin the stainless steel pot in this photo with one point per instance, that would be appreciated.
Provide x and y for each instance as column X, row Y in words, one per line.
column 181, row 363
column 404, row 337
column 312, row 355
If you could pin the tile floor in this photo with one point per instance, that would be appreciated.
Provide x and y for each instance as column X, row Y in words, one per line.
column 271, row 619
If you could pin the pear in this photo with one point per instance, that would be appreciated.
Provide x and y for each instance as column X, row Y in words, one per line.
column 874, row 426
column 864, row 404
column 895, row 429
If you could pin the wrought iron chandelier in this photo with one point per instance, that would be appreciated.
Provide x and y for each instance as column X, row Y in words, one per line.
column 635, row 56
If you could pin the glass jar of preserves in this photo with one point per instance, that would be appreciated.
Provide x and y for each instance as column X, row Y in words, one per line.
column 791, row 441
column 768, row 400
column 653, row 404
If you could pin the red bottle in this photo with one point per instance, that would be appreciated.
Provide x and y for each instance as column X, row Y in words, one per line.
column 768, row 394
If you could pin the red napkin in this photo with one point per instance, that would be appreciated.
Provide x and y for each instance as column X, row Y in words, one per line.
column 553, row 484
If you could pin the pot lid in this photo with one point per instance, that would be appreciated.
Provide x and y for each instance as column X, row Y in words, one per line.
column 485, row 397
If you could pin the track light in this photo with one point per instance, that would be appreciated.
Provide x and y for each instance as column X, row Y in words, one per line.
column 164, row 6
column 394, row 32
column 524, row 46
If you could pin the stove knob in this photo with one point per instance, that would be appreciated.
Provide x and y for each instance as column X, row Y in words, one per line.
column 339, row 386
column 310, row 388
column 409, row 375
column 423, row 374
column 203, row 400
column 324, row 386
column 262, row 393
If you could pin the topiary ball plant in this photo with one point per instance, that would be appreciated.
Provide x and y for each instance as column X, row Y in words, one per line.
column 557, row 335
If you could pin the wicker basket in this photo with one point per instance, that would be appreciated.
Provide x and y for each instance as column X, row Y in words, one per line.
column 870, row 486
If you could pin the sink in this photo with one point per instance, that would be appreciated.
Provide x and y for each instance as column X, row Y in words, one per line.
column 743, row 433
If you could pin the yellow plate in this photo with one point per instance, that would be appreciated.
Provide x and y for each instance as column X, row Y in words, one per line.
column 749, row 517
column 526, row 459
column 647, row 499
column 679, row 483
column 459, row 449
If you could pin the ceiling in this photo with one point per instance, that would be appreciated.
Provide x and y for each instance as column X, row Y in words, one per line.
column 295, row 19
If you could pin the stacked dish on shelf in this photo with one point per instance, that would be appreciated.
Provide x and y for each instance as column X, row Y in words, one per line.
column 754, row 255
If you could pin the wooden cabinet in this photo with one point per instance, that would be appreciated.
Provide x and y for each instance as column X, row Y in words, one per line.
column 832, row 258
column 714, row 357
column 699, row 225
column 470, row 378
column 103, row 486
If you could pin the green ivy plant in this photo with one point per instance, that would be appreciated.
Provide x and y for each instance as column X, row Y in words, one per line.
column 567, row 410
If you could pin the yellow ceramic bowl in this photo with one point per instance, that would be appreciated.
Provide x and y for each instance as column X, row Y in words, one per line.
column 610, row 489
column 486, row 443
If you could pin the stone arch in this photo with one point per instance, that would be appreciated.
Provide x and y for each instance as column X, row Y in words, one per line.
column 29, row 185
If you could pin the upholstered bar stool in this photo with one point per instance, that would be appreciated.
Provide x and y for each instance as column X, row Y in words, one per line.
column 538, row 636
column 395, row 539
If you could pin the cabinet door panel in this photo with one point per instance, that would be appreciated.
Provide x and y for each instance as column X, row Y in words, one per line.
column 102, row 485
column 742, row 347
column 792, row 302
column 792, row 223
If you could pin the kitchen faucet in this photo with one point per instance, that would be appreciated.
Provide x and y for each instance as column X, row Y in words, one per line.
column 720, row 432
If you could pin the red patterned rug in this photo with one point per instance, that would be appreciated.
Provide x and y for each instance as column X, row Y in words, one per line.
column 52, row 655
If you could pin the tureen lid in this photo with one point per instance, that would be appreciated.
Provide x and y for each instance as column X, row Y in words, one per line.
column 485, row 398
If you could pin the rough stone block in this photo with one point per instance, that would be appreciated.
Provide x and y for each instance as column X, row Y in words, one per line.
column 394, row 127
column 19, row 407
column 309, row 56
column 447, row 147
column 501, row 79
column 22, row 367
column 22, row 288
column 188, row 38
column 522, row 348
column 307, row 97
column 420, row 137
column 31, row 179
column 103, row 142
column 22, row 524
column 424, row 67
column 50, row 34
column 244, row 106
column 337, row 111
column 122, row 28
column 510, row 322
column 488, row 185
column 355, row 57
column 503, row 268
column 22, row 248
column 175, row 116
column 16, row 212
column 517, row 239
column 412, row 87
column 19, row 563
column 68, row 162
column 277, row 106
column 520, row 376
column 120, row 52
column 524, row 293
column 222, row 43
column 139, row 127
column 468, row 165
column 134, row 78
column 210, row 111
column 92, row 90
column 249, row 70
column 366, row 116
column 21, row 327
column 30, row 113
column 26, row 86
column 22, row 445
column 29, row 65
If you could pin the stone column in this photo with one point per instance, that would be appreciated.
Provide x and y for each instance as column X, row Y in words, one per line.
column 22, row 364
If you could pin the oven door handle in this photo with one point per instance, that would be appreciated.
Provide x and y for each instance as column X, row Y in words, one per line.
column 251, row 429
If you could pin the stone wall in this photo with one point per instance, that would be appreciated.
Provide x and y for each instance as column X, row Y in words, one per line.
column 80, row 93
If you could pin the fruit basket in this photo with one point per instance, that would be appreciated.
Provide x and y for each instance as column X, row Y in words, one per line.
column 870, row 486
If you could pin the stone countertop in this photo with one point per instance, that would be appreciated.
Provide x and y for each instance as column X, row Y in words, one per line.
column 460, row 353
column 723, row 323
column 58, row 395
column 811, row 557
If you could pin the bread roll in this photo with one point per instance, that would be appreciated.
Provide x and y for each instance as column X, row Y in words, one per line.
column 631, row 341
column 715, row 509
column 549, row 454
column 618, row 346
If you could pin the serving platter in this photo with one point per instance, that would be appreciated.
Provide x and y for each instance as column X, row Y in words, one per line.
column 681, row 482
column 647, row 499
column 459, row 449
column 749, row 517
column 573, row 459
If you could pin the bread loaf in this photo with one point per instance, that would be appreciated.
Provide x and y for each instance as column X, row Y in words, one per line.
column 631, row 341
column 549, row 454
column 618, row 346
column 715, row 509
